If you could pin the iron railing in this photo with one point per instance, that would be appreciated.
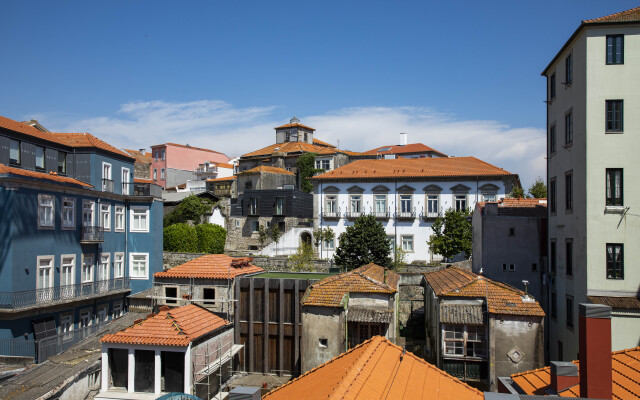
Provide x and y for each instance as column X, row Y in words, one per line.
column 92, row 234
column 107, row 185
column 51, row 296
column 18, row 347
column 143, row 189
column 331, row 214
column 355, row 214
column 47, row 347
column 381, row 214
column 431, row 215
column 406, row 215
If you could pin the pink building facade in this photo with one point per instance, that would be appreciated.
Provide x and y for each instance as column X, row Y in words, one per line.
column 173, row 164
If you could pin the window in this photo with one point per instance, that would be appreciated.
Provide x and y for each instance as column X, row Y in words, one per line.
column 552, row 86
column 504, row 267
column 45, row 273
column 139, row 219
column 512, row 267
column 62, row 162
column 568, row 128
column 461, row 202
column 139, row 266
column 125, row 181
column 512, row 231
column 66, row 327
column 119, row 219
column 279, row 206
column 405, row 204
column 534, row 267
column 85, row 319
column 162, row 154
column 552, row 139
column 118, row 265
column 103, row 315
column 40, row 158
column 45, row 211
column 614, row 187
column 155, row 154
column 255, row 226
column 464, row 340
column 554, row 305
column 568, row 191
column 454, row 340
column 323, row 164
column 87, row 269
column 238, row 223
column 614, row 115
column 155, row 173
column 407, row 243
column 392, row 243
column 67, row 269
column 615, row 49
column 356, row 203
column 486, row 196
column 105, row 216
column 552, row 256
column 117, row 310
column 161, row 173
column 569, row 257
column 15, row 150
column 87, row 213
column 323, row 343
column 253, row 206
column 552, row 194
column 568, row 66
column 68, row 213
column 615, row 261
column 330, row 204
column 329, row 244
column 107, row 183
column 282, row 225
column 380, row 203
column 433, row 208
column 103, row 268
column 209, row 294
column 170, row 292
column 569, row 310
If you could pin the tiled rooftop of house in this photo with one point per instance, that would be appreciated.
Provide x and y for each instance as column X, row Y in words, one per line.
column 265, row 168
column 404, row 149
column 415, row 168
column 141, row 158
column 629, row 303
column 174, row 327
column 54, row 177
column 376, row 369
column 228, row 178
column 331, row 291
column 319, row 142
column 212, row 266
column 625, row 369
column 142, row 180
column 501, row 298
column 294, row 125
column 632, row 15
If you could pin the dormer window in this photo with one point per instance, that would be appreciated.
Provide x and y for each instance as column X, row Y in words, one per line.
column 40, row 158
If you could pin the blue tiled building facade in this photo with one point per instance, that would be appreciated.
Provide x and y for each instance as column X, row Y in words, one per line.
column 77, row 236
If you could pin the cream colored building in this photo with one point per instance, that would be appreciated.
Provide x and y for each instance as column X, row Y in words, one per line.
column 593, row 137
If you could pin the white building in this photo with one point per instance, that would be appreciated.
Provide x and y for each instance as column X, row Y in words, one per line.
column 593, row 140
column 406, row 195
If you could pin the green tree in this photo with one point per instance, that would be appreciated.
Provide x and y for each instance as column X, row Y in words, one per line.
column 362, row 243
column 306, row 170
column 452, row 234
column 538, row 190
column 180, row 237
column 302, row 260
column 211, row 238
column 517, row 193
column 321, row 235
column 401, row 259
column 263, row 235
column 192, row 208
column 275, row 235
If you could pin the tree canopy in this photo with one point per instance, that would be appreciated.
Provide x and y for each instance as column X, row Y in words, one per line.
column 306, row 169
column 192, row 208
column 539, row 189
column 452, row 234
column 362, row 243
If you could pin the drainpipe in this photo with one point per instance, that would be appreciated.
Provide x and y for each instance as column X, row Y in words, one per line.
column 395, row 224
column 321, row 203
column 346, row 325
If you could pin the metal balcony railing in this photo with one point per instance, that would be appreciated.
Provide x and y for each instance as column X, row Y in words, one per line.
column 143, row 189
column 60, row 294
column 92, row 234
column 406, row 215
column 431, row 215
column 381, row 214
column 107, row 185
column 331, row 214
column 355, row 214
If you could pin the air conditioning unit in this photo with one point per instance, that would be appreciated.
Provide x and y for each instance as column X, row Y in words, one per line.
column 289, row 187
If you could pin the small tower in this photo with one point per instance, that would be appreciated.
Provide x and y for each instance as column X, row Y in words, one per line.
column 294, row 131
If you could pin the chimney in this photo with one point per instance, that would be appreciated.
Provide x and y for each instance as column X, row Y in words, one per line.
column 564, row 374
column 595, row 351
column 143, row 151
column 403, row 139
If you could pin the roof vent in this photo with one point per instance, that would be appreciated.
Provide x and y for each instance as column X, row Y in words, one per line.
column 294, row 120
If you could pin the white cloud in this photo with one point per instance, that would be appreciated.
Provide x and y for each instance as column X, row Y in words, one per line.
column 218, row 125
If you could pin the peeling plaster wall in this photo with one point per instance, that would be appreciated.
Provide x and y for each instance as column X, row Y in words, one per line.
column 321, row 323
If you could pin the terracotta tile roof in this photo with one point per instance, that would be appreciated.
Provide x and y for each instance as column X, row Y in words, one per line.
column 175, row 327
column 501, row 298
column 224, row 165
column 141, row 180
column 187, row 147
column 408, row 148
column 141, row 158
column 294, row 125
column 228, row 178
column 16, row 126
column 625, row 368
column 319, row 142
column 632, row 15
column 415, row 168
column 289, row 147
column 212, row 266
column 376, row 369
column 631, row 303
column 331, row 291
column 265, row 168
column 41, row 175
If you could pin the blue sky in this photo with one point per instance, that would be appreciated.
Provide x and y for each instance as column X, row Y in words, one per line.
column 460, row 76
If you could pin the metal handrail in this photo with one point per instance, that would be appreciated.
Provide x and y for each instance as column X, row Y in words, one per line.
column 331, row 215
column 406, row 215
column 48, row 296
column 92, row 233
column 107, row 185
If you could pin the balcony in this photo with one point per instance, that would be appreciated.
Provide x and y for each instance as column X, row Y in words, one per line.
column 406, row 215
column 107, row 185
column 331, row 214
column 17, row 301
column 381, row 214
column 431, row 215
column 92, row 234
column 142, row 189
column 354, row 214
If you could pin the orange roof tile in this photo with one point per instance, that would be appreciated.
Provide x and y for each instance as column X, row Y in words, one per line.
column 289, row 147
column 632, row 15
column 376, row 369
column 141, row 180
column 501, row 298
column 223, row 165
column 16, row 126
column 175, row 327
column 265, row 168
column 625, row 376
column 294, row 125
column 228, row 178
column 41, row 175
column 415, row 168
column 188, row 147
column 212, row 266
column 319, row 142
column 141, row 158
column 331, row 291
column 408, row 148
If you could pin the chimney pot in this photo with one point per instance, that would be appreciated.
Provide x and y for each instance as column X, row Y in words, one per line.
column 403, row 139
column 595, row 351
column 143, row 151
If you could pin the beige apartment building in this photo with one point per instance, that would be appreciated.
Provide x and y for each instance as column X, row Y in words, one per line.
column 593, row 137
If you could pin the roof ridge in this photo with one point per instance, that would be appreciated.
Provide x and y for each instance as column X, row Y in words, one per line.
column 587, row 21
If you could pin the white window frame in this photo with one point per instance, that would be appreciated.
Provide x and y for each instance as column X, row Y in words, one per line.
column 407, row 243
column 66, row 326
column 104, row 256
column 118, row 265
column 456, row 199
column 161, row 174
column 489, row 196
column 355, row 199
column 406, row 204
column 238, row 223
column 331, row 204
column 329, row 244
column 50, row 267
column 433, row 205
column 105, row 216
column 155, row 173
column 64, row 208
column 85, row 258
column 119, row 220
column 43, row 206
column 139, row 211
column 126, row 179
column 93, row 213
column 72, row 266
column 107, row 169
column 380, row 199
column 136, row 275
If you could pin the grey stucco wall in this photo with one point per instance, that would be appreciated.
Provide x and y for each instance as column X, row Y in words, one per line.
column 321, row 323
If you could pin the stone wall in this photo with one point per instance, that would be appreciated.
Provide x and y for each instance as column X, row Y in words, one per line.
column 172, row 259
